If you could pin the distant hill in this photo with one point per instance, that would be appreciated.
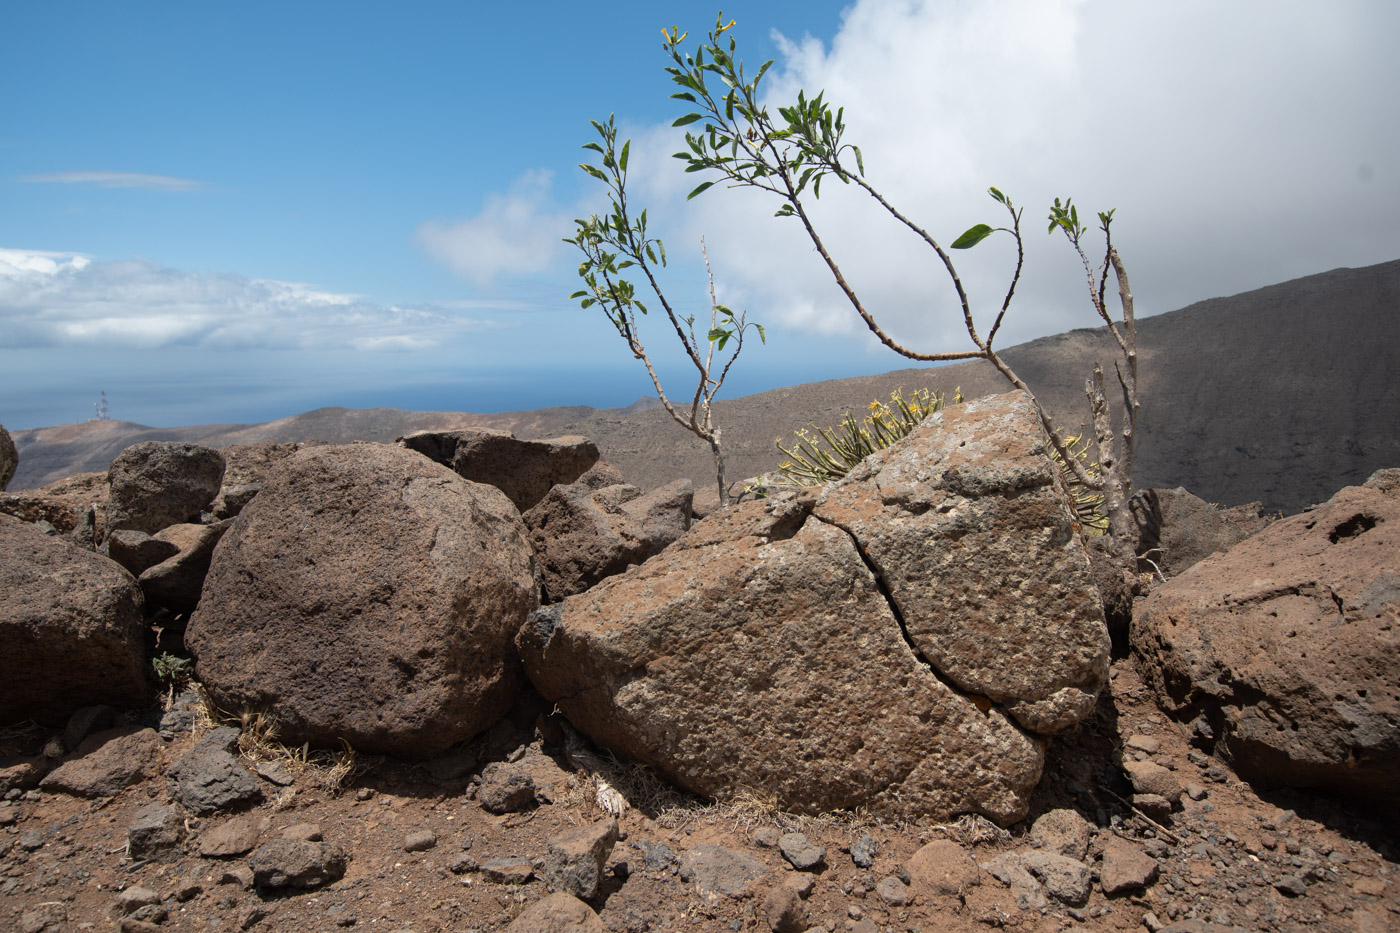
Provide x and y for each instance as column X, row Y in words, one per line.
column 1282, row 394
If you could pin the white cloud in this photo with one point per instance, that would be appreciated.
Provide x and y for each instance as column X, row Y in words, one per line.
column 117, row 180
column 1240, row 143
column 515, row 234
column 64, row 299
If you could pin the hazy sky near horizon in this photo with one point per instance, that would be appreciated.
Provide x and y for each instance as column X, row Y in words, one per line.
column 237, row 213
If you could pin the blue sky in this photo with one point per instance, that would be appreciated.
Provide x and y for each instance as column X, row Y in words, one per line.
column 235, row 213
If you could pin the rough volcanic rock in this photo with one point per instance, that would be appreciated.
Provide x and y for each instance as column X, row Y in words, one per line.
column 290, row 863
column 177, row 581
column 758, row 652
column 106, row 762
column 71, row 628
column 137, row 551
column 370, row 595
column 64, row 504
column 1177, row 530
column 583, row 535
column 968, row 525
column 523, row 470
column 9, row 458
column 1284, row 650
column 209, row 777
column 577, row 858
column 155, row 484
column 884, row 645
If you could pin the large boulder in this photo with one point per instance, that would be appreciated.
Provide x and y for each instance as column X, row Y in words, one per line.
column 583, row 534
column 246, row 467
column 524, row 470
column 1283, row 651
column 9, row 458
column 370, row 595
column 156, row 484
column 849, row 647
column 71, row 628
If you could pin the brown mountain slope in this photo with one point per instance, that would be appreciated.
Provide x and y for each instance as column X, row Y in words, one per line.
column 1281, row 394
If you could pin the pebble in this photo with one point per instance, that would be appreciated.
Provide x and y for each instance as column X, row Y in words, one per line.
column 420, row 841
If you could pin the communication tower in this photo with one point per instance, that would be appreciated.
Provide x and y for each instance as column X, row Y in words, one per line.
column 100, row 409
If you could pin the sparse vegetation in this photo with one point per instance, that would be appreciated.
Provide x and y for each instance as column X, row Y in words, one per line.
column 810, row 463
column 738, row 141
column 620, row 241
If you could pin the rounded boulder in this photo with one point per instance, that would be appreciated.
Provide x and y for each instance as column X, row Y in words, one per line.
column 367, row 595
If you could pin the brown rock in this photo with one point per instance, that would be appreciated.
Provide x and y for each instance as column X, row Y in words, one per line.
column 157, row 833
column 1286, row 647
column 176, row 583
column 234, row 837
column 582, row 536
column 758, row 653
column 137, row 551
column 524, row 470
column 972, row 531
column 1063, row 832
column 716, row 871
column 1148, row 777
column 71, row 628
column 63, row 504
column 869, row 649
column 106, row 762
column 576, row 859
column 285, row 863
column 942, row 867
column 155, row 484
column 369, row 595
column 784, row 911
column 1125, row 867
column 557, row 913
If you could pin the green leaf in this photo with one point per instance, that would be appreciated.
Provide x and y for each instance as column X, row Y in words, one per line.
column 997, row 194
column 972, row 237
column 686, row 120
column 762, row 334
column 860, row 163
column 578, row 294
column 699, row 188
column 587, row 303
column 716, row 333
column 683, row 95
column 594, row 146
column 593, row 170
column 622, row 160
column 784, row 211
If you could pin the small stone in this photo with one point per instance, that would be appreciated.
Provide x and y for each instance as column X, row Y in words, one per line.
column 290, row 863
column 509, row 870
column 1217, row 774
column 156, row 833
column 463, row 864
column 766, row 837
column 274, row 772
column 799, row 852
column 1154, row 805
column 364, row 793
column 251, row 916
column 893, row 891
column 1063, row 832
column 421, row 841
column 1293, row 886
column 235, row 837
column 863, row 852
column 576, row 859
column 303, row 832
column 1268, row 841
column 1125, row 868
column 31, row 840
column 942, row 867
column 44, row 918
column 784, row 910
column 134, row 898
column 1196, row 791
column 504, row 789
column 1150, row 778
column 240, row 875
column 1144, row 743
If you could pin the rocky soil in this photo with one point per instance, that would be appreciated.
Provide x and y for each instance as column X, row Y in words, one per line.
column 475, row 838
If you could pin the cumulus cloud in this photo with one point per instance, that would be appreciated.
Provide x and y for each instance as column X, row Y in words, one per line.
column 516, row 233
column 117, row 180
column 52, row 299
column 1241, row 144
